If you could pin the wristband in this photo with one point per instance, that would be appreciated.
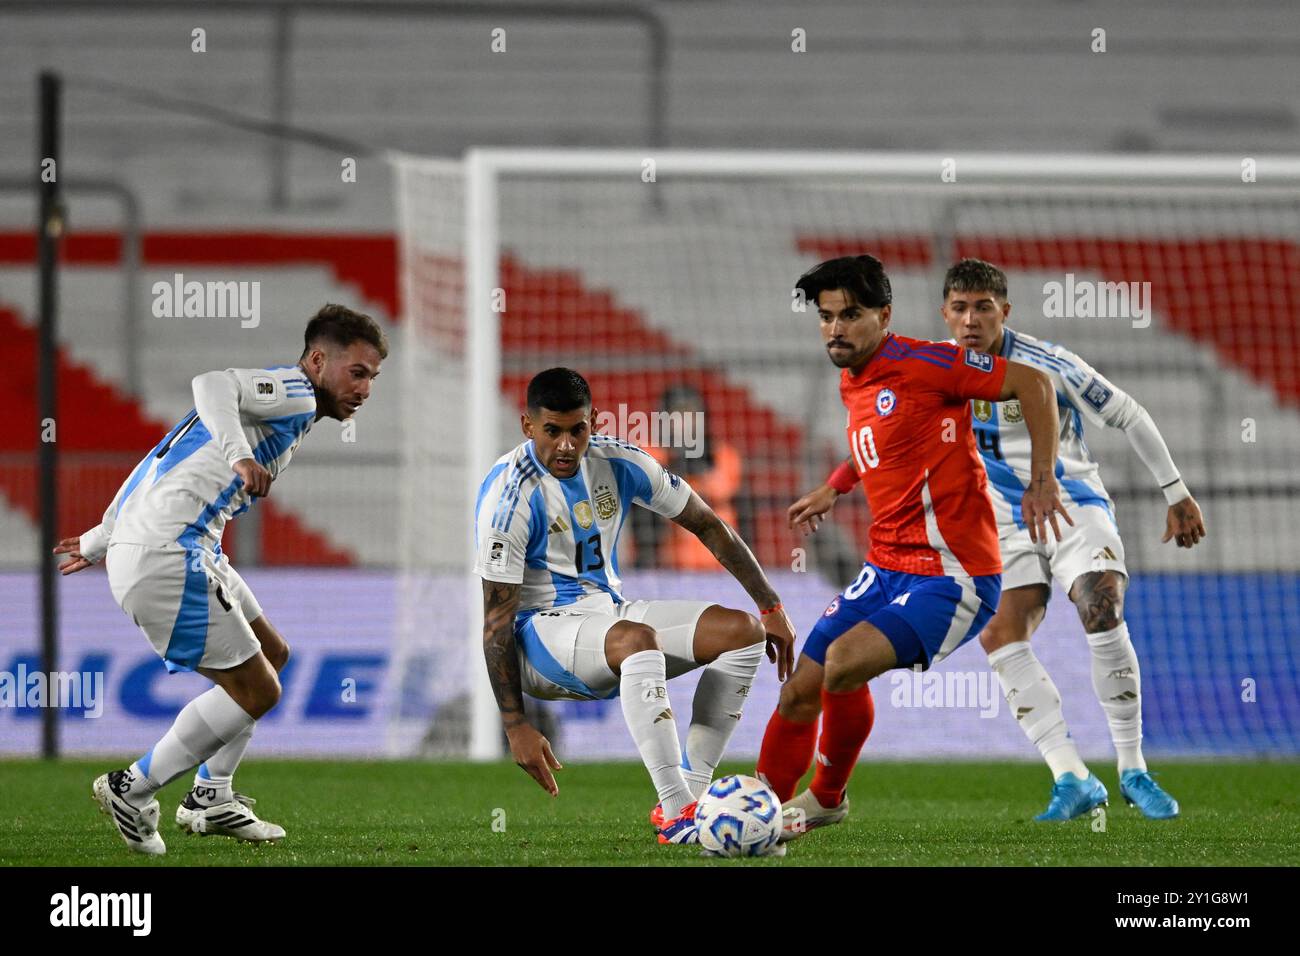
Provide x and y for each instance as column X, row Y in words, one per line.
column 772, row 610
column 1175, row 492
column 843, row 478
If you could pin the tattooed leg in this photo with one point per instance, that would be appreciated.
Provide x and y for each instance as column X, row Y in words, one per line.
column 1099, row 598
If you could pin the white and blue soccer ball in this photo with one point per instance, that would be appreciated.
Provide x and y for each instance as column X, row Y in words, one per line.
column 738, row 816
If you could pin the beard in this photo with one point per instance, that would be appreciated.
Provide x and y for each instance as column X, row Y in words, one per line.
column 844, row 359
column 328, row 402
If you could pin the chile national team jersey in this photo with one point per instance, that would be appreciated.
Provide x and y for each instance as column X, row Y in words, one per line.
column 909, row 429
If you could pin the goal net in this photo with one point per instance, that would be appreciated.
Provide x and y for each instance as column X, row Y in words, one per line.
column 666, row 279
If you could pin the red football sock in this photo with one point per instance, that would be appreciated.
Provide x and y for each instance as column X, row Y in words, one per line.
column 846, row 724
column 786, row 755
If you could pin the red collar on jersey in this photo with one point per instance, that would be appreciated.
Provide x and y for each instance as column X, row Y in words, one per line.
column 863, row 375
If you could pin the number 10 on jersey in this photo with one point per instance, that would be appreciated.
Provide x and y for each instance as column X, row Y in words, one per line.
column 864, row 449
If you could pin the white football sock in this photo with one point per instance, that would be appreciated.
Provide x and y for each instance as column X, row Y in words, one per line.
column 215, row 773
column 643, row 690
column 201, row 728
column 715, row 713
column 1118, row 683
column 1036, row 704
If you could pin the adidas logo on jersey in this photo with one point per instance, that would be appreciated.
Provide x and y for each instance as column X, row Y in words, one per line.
column 664, row 715
column 559, row 525
column 1105, row 554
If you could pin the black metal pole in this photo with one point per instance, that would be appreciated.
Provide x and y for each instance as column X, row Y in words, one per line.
column 49, row 230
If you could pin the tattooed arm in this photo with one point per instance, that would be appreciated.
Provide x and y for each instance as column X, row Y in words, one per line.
column 734, row 555
column 528, row 747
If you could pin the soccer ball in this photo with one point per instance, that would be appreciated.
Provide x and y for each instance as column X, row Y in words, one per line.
column 738, row 816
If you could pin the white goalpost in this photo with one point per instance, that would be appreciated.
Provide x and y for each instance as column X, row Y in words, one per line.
column 652, row 270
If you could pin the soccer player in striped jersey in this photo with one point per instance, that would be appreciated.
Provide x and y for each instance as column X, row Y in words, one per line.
column 1088, row 562
column 556, row 625
column 160, row 540
column 933, row 573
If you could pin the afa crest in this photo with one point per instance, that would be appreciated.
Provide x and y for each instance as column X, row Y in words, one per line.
column 1011, row 413
column 606, row 502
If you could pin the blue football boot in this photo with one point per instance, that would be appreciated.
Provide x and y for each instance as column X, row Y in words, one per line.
column 1072, row 797
column 1140, row 790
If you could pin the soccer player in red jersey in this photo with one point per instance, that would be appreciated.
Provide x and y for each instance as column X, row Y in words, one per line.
column 933, row 573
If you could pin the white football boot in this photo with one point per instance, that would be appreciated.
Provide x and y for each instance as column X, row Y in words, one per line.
column 138, row 826
column 804, row 813
column 234, row 818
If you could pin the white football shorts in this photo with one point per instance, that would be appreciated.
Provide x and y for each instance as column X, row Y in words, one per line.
column 1092, row 543
column 193, row 606
column 562, row 649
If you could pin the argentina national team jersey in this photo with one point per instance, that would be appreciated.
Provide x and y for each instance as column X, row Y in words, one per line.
column 1003, row 439
column 183, row 492
column 559, row 537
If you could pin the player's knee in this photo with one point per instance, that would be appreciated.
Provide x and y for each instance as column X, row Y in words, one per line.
column 998, row 635
column 268, row 694
column 800, row 702
column 840, row 678
column 1100, row 605
column 627, row 638
column 261, row 693
column 842, row 672
column 1099, row 618
column 743, row 630
column 1099, row 599
column 278, row 654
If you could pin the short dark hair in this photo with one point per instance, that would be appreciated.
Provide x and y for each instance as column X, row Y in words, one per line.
column 975, row 275
column 863, row 277
column 559, row 389
column 339, row 325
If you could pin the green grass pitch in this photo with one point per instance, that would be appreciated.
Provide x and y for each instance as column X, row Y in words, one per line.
column 414, row 813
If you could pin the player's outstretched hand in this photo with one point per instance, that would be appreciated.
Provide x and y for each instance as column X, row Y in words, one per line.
column 71, row 546
column 1184, row 523
column 810, row 510
column 256, row 478
column 780, row 642
column 1040, row 506
column 532, row 752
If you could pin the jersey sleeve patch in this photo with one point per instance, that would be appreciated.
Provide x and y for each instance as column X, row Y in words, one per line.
column 497, row 556
column 264, row 389
column 1097, row 394
column 979, row 360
